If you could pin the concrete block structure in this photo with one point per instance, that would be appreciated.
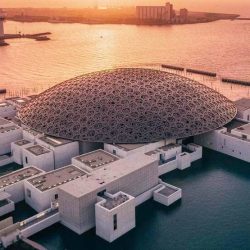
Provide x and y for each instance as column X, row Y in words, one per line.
column 39, row 156
column 17, row 150
column 167, row 194
column 5, row 160
column 195, row 151
column 63, row 150
column 94, row 160
column 233, row 140
column 30, row 134
column 133, row 175
column 183, row 161
column 9, row 132
column 6, row 205
column 114, row 215
column 243, row 109
column 17, row 101
column 124, row 150
column 166, row 157
column 4, row 123
column 40, row 191
column 13, row 183
column 7, row 110
column 172, row 156
column 138, row 115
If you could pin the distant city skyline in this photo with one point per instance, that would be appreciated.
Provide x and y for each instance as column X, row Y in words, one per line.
column 227, row 6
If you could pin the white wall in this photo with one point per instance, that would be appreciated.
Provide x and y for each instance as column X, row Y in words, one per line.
column 244, row 115
column 28, row 135
column 40, row 225
column 167, row 200
column 167, row 167
column 197, row 151
column 5, row 159
column 125, row 220
column 16, row 191
column 17, row 152
column 10, row 207
column 226, row 143
column 62, row 153
column 143, row 149
column 8, row 137
column 39, row 200
column 183, row 161
column 8, row 111
column 171, row 152
column 44, row 161
column 240, row 133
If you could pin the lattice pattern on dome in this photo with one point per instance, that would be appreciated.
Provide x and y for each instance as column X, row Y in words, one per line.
column 127, row 106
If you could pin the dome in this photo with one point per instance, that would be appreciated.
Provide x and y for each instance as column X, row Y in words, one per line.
column 128, row 105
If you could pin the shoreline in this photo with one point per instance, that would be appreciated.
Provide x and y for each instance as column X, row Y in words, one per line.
column 109, row 23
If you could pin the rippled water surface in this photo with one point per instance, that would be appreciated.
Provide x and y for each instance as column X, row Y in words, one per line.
column 213, row 214
column 27, row 66
column 214, row 211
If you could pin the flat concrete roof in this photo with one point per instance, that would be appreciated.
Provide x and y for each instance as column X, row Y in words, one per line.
column 243, row 104
column 53, row 141
column 163, row 148
column 18, row 175
column 105, row 175
column 153, row 152
column 31, row 131
column 9, row 128
column 111, row 203
column 169, row 146
column 129, row 147
column 4, row 122
column 4, row 104
column 167, row 191
column 4, row 195
column 245, row 129
column 38, row 150
column 22, row 142
column 18, row 100
column 234, row 124
column 56, row 178
column 98, row 158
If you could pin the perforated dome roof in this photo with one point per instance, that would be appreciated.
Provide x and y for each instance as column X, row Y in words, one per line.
column 127, row 106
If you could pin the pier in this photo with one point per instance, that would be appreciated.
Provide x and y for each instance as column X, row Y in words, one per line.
column 228, row 80
column 166, row 66
column 205, row 73
column 201, row 72
column 29, row 36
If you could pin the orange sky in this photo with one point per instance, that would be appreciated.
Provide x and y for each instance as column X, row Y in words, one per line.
column 230, row 6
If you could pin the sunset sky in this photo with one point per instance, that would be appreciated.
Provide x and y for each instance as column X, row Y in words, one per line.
column 230, row 6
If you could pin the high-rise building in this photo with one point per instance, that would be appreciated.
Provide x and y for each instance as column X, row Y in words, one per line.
column 162, row 14
column 2, row 17
column 183, row 15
